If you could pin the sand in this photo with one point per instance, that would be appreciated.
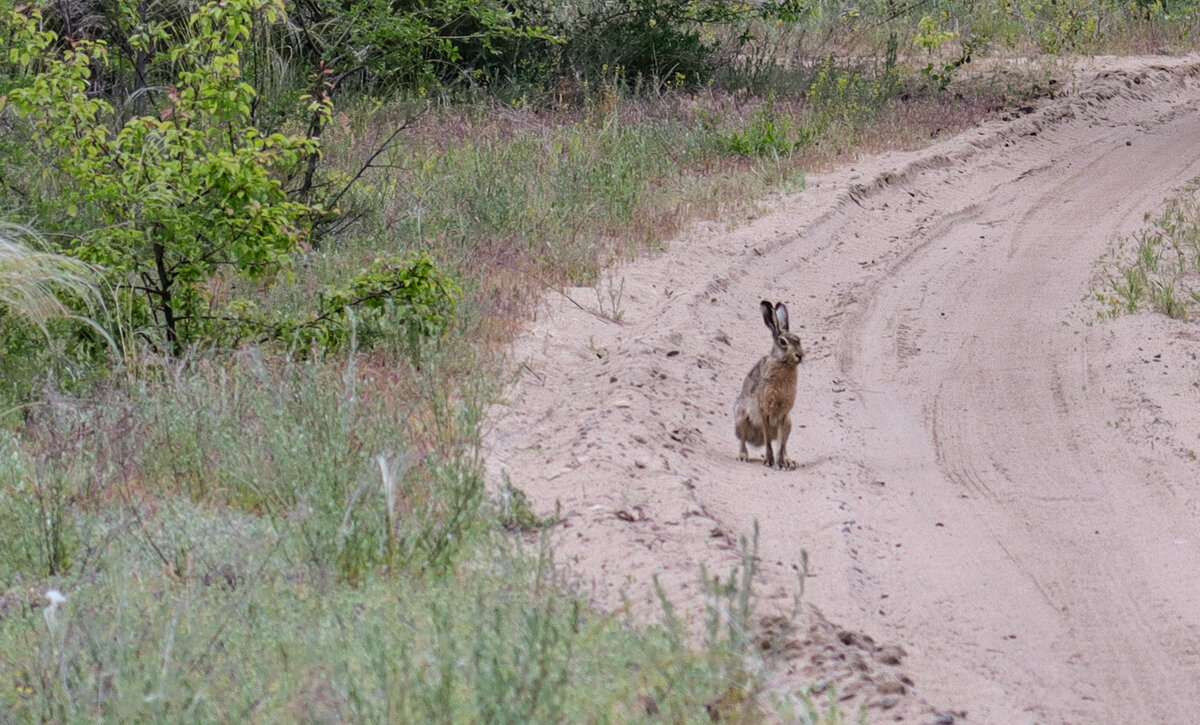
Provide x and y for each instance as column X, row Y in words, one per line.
column 997, row 489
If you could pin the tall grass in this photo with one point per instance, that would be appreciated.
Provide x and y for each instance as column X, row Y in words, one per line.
column 45, row 299
column 33, row 281
column 229, row 551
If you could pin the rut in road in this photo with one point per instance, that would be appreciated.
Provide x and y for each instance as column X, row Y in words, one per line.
column 988, row 476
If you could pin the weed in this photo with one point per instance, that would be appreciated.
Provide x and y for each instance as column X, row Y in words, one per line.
column 40, row 536
column 515, row 512
column 768, row 133
column 245, row 635
column 614, row 293
column 1162, row 272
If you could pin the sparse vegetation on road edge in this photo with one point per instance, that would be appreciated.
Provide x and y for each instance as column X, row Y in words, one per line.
column 1158, row 267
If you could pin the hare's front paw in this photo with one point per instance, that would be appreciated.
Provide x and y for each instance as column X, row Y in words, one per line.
column 743, row 456
column 787, row 464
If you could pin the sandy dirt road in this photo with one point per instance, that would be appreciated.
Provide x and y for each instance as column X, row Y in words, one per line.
column 991, row 478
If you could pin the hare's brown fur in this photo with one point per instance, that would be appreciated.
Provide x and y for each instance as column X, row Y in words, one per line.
column 761, row 414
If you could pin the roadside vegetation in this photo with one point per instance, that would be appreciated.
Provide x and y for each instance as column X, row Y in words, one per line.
column 258, row 266
column 1158, row 267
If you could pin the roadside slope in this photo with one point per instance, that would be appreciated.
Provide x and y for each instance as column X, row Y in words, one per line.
column 989, row 477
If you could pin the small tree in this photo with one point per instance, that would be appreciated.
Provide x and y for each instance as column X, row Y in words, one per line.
column 180, row 194
column 188, row 192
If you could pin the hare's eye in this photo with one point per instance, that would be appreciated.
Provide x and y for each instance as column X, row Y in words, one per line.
column 782, row 342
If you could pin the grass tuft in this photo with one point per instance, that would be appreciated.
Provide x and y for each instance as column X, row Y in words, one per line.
column 1158, row 267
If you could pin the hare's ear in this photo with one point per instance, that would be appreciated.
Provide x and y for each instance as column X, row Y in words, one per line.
column 781, row 318
column 768, row 314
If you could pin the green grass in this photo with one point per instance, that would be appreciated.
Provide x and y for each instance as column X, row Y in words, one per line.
column 255, row 539
column 1158, row 267
column 32, row 279
column 254, row 640
column 41, row 294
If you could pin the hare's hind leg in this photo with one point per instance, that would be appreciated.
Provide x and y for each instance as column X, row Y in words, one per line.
column 768, row 436
column 785, row 430
column 747, row 432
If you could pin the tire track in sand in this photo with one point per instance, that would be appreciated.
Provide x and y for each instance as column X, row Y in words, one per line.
column 1017, row 435
column 964, row 490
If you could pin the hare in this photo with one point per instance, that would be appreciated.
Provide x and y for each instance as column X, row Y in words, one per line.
column 762, row 408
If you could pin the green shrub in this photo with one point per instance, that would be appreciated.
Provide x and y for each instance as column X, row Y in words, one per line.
column 173, row 198
column 769, row 132
column 650, row 41
column 403, row 298
column 640, row 44
column 179, row 205
column 417, row 46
